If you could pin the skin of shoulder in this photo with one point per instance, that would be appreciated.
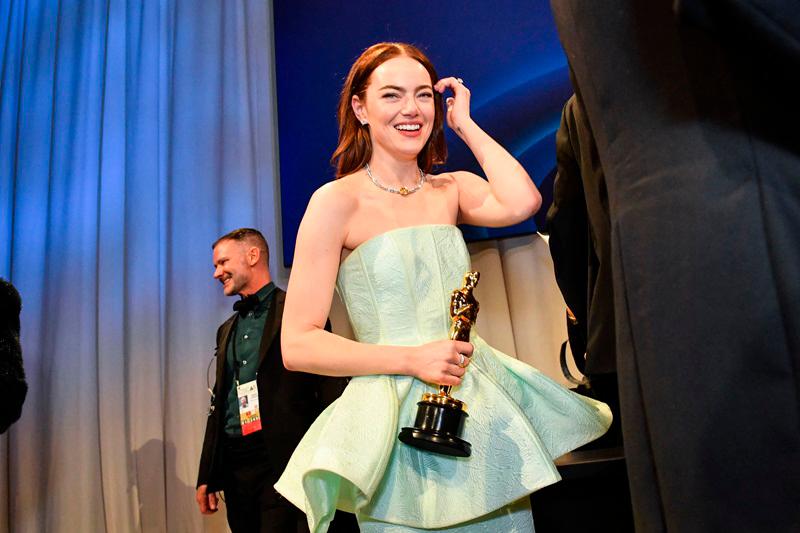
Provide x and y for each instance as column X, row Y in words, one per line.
column 477, row 204
column 318, row 248
column 333, row 204
column 363, row 210
column 465, row 190
column 439, row 181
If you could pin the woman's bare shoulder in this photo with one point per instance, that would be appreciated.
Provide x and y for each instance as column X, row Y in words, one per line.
column 338, row 197
column 445, row 179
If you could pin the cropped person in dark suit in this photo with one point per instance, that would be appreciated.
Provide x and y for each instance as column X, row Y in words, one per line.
column 259, row 410
column 580, row 244
column 693, row 106
column 13, row 387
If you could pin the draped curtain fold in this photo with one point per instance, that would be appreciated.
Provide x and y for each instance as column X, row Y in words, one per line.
column 132, row 134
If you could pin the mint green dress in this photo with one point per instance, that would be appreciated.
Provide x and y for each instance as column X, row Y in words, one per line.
column 396, row 288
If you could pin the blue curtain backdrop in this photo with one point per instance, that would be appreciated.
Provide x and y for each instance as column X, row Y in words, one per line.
column 132, row 134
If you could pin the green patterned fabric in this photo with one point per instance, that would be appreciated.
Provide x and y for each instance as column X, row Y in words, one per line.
column 396, row 287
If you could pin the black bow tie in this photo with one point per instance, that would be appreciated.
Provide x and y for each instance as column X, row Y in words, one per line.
column 246, row 304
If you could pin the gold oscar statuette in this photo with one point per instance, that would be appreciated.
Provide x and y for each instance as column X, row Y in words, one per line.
column 440, row 417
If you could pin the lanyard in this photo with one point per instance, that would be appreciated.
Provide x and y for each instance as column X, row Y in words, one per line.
column 236, row 364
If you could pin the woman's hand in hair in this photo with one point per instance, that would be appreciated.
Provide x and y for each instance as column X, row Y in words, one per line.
column 457, row 105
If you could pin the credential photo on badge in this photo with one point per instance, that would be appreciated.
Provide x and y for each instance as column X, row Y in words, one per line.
column 249, row 414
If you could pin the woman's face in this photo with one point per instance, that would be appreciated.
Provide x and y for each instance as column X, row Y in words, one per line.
column 399, row 107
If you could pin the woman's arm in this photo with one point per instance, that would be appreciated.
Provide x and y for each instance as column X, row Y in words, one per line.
column 510, row 195
column 305, row 344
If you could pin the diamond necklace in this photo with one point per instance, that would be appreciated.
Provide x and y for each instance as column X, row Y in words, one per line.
column 402, row 191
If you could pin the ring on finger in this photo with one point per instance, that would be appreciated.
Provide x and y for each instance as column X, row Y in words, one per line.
column 462, row 360
column 459, row 80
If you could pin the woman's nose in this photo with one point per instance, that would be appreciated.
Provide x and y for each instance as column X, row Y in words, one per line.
column 410, row 106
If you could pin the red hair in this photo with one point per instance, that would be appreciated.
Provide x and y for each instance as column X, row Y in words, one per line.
column 355, row 148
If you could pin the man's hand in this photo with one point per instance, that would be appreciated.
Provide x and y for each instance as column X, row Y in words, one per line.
column 207, row 502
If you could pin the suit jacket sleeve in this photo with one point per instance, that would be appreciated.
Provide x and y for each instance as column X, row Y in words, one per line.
column 212, row 429
column 567, row 221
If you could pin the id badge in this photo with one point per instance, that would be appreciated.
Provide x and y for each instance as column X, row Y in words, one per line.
column 249, row 414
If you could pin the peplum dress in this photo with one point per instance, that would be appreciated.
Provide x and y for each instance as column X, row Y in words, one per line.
column 396, row 288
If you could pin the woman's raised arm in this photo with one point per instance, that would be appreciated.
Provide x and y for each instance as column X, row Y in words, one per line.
column 509, row 196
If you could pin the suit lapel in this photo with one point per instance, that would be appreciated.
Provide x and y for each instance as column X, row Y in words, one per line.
column 222, row 349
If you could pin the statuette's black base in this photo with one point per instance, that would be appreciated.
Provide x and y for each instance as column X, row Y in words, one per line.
column 435, row 442
column 437, row 429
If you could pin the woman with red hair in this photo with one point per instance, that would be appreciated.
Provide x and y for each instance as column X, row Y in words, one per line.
column 384, row 234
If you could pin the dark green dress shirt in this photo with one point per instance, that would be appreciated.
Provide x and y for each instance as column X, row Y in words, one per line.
column 242, row 353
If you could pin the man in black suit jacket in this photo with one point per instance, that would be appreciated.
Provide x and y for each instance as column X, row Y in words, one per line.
column 579, row 231
column 695, row 121
column 244, row 454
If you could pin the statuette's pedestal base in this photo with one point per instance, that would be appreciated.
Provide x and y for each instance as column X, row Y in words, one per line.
column 439, row 422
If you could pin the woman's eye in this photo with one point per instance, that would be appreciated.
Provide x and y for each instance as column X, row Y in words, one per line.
column 425, row 95
column 391, row 96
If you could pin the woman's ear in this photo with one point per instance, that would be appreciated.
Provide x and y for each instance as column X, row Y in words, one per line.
column 359, row 110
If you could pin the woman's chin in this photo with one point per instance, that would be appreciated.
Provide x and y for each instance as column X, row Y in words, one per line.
column 408, row 150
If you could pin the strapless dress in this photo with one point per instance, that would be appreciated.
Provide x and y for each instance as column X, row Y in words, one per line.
column 396, row 288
